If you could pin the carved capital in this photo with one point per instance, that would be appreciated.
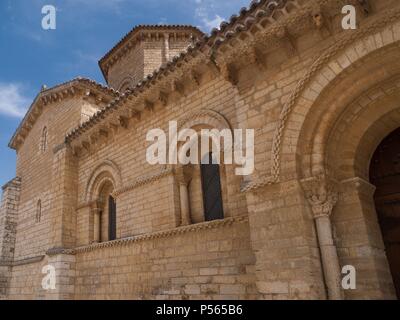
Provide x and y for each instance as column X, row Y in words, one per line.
column 230, row 73
column 321, row 192
column 183, row 174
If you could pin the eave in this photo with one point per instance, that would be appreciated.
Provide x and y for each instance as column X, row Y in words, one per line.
column 134, row 36
column 54, row 94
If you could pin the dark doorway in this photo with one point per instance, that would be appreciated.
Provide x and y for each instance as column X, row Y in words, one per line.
column 212, row 194
column 385, row 175
column 112, row 222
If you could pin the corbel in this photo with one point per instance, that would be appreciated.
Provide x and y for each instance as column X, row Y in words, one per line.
column 212, row 66
column 113, row 128
column 148, row 105
column 195, row 76
column 93, row 138
column 103, row 133
column 85, row 145
column 123, row 121
column 136, row 115
column 257, row 57
column 284, row 36
column 178, row 86
column 76, row 151
column 230, row 73
column 163, row 98
column 365, row 6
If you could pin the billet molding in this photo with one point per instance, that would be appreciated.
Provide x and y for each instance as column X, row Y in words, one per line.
column 216, row 224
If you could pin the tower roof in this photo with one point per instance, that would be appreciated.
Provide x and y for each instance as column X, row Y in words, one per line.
column 136, row 35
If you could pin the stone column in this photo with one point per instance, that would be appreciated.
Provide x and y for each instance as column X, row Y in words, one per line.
column 183, row 180
column 8, row 228
column 96, row 224
column 185, row 205
column 321, row 193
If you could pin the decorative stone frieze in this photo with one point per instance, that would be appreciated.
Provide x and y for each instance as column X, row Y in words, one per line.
column 162, row 234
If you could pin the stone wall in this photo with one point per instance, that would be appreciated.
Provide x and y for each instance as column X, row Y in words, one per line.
column 36, row 169
column 146, row 195
column 146, row 56
column 207, row 261
column 273, row 243
column 8, row 230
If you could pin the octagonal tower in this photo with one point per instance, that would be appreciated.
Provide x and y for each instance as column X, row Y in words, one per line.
column 143, row 50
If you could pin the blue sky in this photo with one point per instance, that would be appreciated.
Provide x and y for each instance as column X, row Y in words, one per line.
column 86, row 30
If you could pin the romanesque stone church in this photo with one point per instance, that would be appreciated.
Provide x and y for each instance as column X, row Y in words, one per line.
column 324, row 104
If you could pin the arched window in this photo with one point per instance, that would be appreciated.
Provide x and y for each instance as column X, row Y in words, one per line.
column 38, row 211
column 105, row 224
column 44, row 140
column 212, row 192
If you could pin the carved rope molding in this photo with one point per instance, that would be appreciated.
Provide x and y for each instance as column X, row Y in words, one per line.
column 386, row 18
column 156, row 235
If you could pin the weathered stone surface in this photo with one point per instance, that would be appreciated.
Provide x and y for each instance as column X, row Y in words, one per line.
column 320, row 99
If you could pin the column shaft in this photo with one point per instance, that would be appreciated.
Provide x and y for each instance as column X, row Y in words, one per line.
column 185, row 205
column 329, row 257
column 96, row 228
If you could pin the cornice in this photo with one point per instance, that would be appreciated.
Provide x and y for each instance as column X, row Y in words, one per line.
column 138, row 34
column 78, row 86
column 13, row 183
column 171, row 77
column 222, row 53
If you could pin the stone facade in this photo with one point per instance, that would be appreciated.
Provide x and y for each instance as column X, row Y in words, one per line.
column 320, row 99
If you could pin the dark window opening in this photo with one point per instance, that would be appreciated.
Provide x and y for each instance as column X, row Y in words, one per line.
column 385, row 175
column 39, row 211
column 212, row 192
column 112, row 222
